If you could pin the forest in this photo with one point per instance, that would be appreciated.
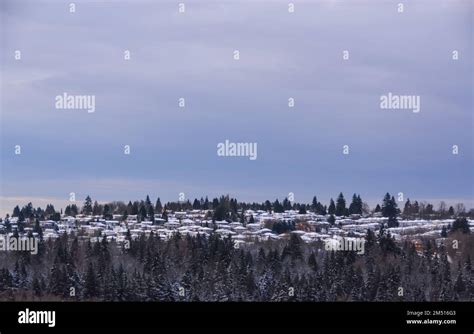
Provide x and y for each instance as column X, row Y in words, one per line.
column 215, row 268
column 212, row 268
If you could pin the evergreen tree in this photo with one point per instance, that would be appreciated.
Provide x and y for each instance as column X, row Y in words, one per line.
column 407, row 210
column 314, row 204
column 151, row 213
column 302, row 209
column 158, row 206
column 389, row 206
column 135, row 208
column 206, row 204
column 332, row 207
column 164, row 215
column 38, row 229
column 142, row 213
column 286, row 204
column 251, row 220
column 392, row 222
column 107, row 212
column 444, row 233
column 461, row 224
column 87, row 208
column 220, row 213
column 415, row 209
column 277, row 207
column 268, row 206
column 57, row 285
column 451, row 211
column 356, row 205
column 331, row 219
column 97, row 209
column 16, row 211
column 36, row 287
column 90, row 283
column 129, row 208
column 340, row 205
column 147, row 202
column 312, row 262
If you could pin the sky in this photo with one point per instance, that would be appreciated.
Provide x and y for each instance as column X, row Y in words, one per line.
column 191, row 55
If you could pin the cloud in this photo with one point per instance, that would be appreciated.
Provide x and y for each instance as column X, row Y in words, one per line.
column 282, row 55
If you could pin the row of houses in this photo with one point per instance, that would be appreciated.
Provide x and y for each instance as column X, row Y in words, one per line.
column 310, row 226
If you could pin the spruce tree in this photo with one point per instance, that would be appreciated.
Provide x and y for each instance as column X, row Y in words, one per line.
column 87, row 208
column 332, row 207
column 90, row 283
column 158, row 206
column 340, row 205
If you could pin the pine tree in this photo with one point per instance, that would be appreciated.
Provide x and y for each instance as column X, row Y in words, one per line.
column 392, row 222
column 407, row 210
column 147, row 202
column 158, row 206
column 90, row 283
column 389, row 206
column 314, row 204
column 135, row 208
column 107, row 212
column 356, row 205
column 444, row 232
column 251, row 220
column 451, row 211
column 122, row 285
column 242, row 219
column 302, row 209
column 331, row 219
column 142, row 212
column 294, row 247
column 16, row 211
column 459, row 285
column 97, row 209
column 461, row 224
column 277, row 207
column 56, row 280
column 370, row 240
column 220, row 213
column 415, row 208
column 360, row 205
column 37, row 229
column 377, row 208
column 332, row 207
column 164, row 215
column 312, row 263
column 206, row 204
column 151, row 213
column 340, row 205
column 36, row 287
column 87, row 208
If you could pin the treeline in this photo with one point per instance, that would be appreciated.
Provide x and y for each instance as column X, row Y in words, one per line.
column 226, row 208
column 211, row 268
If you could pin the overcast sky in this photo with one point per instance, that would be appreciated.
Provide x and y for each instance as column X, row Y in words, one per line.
column 190, row 55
